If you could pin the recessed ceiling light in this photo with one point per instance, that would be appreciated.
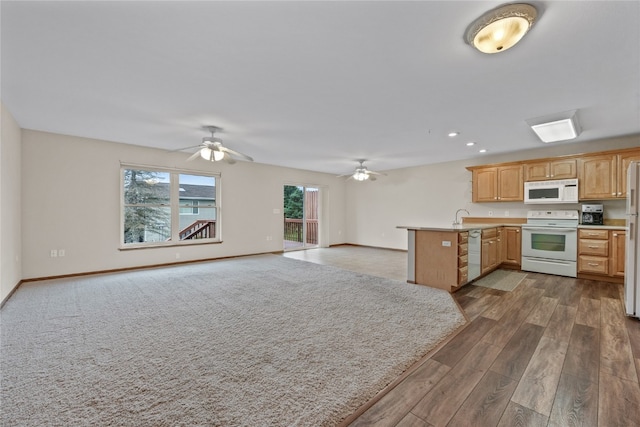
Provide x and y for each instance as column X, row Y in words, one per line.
column 483, row 150
column 452, row 134
column 471, row 144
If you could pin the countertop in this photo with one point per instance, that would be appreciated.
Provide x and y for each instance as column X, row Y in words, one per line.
column 604, row 227
column 451, row 227
column 467, row 227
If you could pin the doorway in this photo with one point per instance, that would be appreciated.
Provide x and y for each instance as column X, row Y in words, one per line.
column 301, row 228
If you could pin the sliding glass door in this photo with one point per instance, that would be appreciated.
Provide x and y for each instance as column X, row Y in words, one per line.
column 301, row 229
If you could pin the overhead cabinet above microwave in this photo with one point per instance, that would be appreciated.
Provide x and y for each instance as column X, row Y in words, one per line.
column 601, row 176
column 557, row 191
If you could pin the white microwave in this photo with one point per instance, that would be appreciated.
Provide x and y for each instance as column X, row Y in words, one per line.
column 558, row 191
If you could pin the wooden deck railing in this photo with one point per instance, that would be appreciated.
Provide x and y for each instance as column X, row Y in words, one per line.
column 200, row 229
column 293, row 230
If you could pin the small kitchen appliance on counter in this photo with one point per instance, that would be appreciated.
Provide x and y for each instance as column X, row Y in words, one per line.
column 592, row 215
column 549, row 242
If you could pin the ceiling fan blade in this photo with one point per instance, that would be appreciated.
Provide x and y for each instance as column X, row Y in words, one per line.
column 227, row 158
column 194, row 155
column 377, row 173
column 237, row 154
column 186, row 148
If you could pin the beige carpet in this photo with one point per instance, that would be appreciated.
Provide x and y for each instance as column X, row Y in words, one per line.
column 504, row 280
column 254, row 341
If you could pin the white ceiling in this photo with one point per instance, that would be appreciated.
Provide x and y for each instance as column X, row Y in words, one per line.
column 316, row 85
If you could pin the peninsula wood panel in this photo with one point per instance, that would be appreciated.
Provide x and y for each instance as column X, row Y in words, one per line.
column 436, row 264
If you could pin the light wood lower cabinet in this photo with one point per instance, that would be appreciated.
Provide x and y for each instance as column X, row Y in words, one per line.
column 618, row 242
column 489, row 251
column 601, row 252
column 511, row 246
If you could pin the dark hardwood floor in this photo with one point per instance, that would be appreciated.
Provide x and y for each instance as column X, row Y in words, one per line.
column 556, row 351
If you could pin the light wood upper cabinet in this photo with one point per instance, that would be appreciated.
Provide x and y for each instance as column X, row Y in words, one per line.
column 498, row 184
column 623, row 166
column 601, row 175
column 597, row 177
column 485, row 185
column 547, row 170
column 510, row 184
column 605, row 176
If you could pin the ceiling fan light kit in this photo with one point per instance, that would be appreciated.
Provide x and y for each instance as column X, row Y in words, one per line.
column 500, row 29
column 362, row 173
column 212, row 150
column 211, row 155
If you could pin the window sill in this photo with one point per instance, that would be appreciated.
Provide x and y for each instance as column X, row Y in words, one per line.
column 132, row 246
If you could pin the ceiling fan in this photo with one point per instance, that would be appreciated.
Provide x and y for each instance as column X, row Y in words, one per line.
column 362, row 173
column 211, row 149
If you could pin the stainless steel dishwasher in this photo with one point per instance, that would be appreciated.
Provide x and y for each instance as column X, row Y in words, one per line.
column 475, row 244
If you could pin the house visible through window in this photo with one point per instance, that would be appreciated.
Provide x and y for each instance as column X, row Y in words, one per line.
column 168, row 207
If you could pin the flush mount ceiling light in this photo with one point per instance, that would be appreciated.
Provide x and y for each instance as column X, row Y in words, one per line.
column 501, row 28
column 557, row 127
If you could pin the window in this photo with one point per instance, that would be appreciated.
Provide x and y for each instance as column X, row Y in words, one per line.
column 188, row 207
column 167, row 207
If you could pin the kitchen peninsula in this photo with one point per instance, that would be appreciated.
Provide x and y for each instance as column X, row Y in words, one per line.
column 448, row 257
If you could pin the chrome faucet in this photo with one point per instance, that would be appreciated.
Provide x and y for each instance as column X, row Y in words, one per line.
column 456, row 221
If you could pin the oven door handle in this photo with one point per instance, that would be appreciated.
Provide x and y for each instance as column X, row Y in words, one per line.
column 528, row 227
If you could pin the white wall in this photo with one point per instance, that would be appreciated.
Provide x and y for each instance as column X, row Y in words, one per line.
column 71, row 201
column 10, row 220
column 430, row 195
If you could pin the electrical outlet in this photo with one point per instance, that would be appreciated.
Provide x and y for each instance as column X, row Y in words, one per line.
column 446, row 243
column 276, row 211
column 177, row 255
column 61, row 252
column 506, row 213
column 53, row 253
column 490, row 213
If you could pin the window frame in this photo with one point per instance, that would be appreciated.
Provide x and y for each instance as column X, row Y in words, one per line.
column 174, row 206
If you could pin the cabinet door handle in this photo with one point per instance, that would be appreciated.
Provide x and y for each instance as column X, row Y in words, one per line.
column 592, row 247
column 613, row 194
column 592, row 264
column 615, row 234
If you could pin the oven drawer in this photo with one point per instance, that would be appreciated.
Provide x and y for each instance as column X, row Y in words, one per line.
column 593, row 264
column 590, row 233
column 593, row 247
